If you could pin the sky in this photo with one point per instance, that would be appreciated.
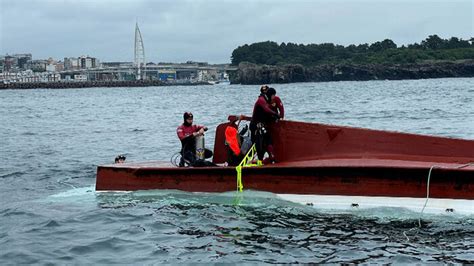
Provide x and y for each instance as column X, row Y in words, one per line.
column 208, row 31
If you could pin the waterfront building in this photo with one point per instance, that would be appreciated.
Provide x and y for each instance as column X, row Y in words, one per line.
column 51, row 65
column 80, row 77
column 23, row 60
column 116, row 64
column 186, row 74
column 55, row 66
column 82, row 62
column 37, row 65
column 59, row 66
column 167, row 75
column 10, row 64
column 71, row 63
column 87, row 62
column 207, row 75
column 28, row 76
column 15, row 62
column 201, row 64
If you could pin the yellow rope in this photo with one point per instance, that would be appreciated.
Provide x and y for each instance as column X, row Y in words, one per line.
column 246, row 162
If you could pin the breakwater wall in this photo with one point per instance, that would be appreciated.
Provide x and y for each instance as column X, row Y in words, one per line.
column 90, row 84
column 248, row 73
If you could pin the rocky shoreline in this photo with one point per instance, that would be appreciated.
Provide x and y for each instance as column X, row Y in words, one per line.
column 91, row 84
column 252, row 74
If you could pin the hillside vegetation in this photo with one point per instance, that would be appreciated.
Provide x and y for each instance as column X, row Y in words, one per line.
column 432, row 48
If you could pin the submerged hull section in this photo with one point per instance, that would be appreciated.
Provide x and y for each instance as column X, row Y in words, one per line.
column 357, row 204
column 316, row 159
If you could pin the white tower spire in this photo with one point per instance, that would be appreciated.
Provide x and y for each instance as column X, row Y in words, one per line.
column 139, row 53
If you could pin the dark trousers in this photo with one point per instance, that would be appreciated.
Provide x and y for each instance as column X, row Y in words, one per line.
column 232, row 159
column 261, row 137
column 188, row 156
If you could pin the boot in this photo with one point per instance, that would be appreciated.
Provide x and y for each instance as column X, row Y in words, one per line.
column 271, row 157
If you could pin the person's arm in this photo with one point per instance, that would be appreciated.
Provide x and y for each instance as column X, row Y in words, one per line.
column 265, row 106
column 180, row 133
column 237, row 122
column 279, row 105
column 199, row 130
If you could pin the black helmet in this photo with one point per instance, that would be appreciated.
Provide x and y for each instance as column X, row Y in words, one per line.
column 187, row 115
column 120, row 158
column 270, row 92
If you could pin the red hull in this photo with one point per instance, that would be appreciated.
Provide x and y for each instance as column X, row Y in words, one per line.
column 322, row 160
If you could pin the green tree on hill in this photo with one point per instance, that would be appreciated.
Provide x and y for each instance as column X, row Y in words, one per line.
column 380, row 52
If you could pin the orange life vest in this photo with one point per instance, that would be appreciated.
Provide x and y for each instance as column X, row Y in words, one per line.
column 231, row 138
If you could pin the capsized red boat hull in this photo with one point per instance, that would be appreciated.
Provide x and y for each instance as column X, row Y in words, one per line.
column 317, row 159
column 351, row 177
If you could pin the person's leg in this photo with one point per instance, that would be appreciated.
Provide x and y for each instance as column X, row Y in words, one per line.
column 207, row 153
column 268, row 147
column 269, row 144
column 253, row 132
column 181, row 160
column 270, row 152
column 188, row 151
column 260, row 145
column 189, row 157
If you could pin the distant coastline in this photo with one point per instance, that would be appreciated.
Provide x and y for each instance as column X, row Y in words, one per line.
column 433, row 57
column 91, row 84
column 249, row 73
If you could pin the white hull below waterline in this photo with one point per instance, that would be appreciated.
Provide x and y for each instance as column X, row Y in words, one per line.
column 344, row 203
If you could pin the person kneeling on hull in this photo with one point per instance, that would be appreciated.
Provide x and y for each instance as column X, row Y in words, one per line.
column 193, row 152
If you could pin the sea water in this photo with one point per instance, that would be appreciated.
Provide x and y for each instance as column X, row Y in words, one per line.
column 51, row 142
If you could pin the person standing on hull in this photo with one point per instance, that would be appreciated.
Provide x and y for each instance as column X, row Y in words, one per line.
column 263, row 115
column 187, row 134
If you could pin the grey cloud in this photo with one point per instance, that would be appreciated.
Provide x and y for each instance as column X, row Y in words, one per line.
column 209, row 30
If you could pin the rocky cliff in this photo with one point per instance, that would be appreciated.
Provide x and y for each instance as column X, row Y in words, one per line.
column 248, row 73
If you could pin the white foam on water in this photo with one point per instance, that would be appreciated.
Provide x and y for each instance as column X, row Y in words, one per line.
column 379, row 207
column 79, row 195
